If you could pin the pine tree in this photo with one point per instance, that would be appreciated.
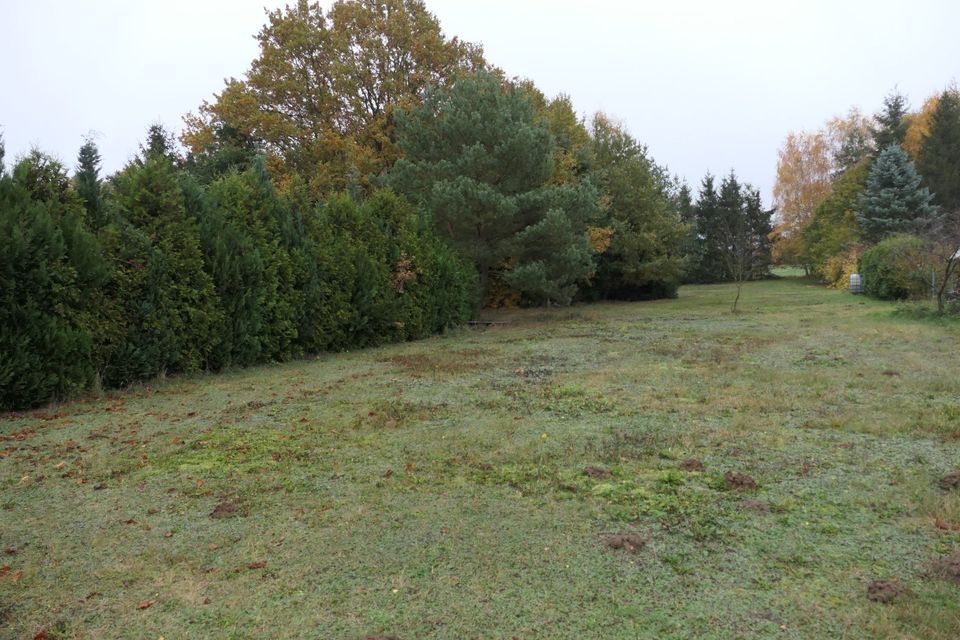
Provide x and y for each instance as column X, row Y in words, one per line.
column 480, row 164
column 939, row 158
column 891, row 123
column 894, row 200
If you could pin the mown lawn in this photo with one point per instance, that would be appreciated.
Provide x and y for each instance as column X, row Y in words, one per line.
column 466, row 486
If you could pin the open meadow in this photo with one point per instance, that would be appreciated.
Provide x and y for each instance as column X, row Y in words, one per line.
column 621, row 470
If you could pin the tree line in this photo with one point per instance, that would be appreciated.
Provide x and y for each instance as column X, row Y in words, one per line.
column 877, row 195
column 368, row 180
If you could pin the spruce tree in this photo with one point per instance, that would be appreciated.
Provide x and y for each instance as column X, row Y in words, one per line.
column 705, row 264
column 891, row 124
column 939, row 158
column 894, row 201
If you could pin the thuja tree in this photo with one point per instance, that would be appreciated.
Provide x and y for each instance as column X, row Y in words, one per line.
column 50, row 273
column 181, row 302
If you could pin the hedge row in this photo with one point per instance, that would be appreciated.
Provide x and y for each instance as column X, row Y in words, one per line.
column 160, row 272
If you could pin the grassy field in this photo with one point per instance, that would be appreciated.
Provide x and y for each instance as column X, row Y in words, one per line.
column 470, row 486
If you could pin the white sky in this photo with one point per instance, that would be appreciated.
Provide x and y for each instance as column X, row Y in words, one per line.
column 706, row 84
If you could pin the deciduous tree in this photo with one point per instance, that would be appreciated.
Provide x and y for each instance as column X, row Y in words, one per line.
column 321, row 95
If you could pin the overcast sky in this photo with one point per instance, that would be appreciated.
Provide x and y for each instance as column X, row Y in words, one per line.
column 707, row 85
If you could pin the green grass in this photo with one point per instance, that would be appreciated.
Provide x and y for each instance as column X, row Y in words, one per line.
column 788, row 272
column 437, row 490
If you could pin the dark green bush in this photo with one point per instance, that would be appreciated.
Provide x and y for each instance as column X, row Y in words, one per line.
column 50, row 270
column 897, row 268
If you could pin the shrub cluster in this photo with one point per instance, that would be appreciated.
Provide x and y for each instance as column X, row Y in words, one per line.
column 897, row 268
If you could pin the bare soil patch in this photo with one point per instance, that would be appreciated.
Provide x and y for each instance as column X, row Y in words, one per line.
column 950, row 481
column 691, row 464
column 885, row 591
column 223, row 510
column 947, row 568
column 629, row 542
column 739, row 481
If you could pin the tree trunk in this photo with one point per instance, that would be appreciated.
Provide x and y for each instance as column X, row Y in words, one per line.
column 733, row 309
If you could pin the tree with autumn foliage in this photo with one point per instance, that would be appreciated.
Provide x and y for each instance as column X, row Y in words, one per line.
column 641, row 257
column 918, row 127
column 320, row 98
column 804, row 180
column 807, row 165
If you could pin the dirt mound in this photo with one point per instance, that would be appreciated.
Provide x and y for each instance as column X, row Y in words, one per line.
column 629, row 542
column 885, row 591
column 947, row 568
column 691, row 464
column 755, row 505
column 223, row 510
column 738, row 481
column 596, row 472
column 950, row 481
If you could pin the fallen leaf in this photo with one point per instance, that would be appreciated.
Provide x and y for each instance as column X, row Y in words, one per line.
column 146, row 604
column 409, row 467
column 388, row 473
column 17, row 576
column 152, row 511
column 212, row 546
column 40, row 635
column 10, row 551
column 4, row 570
column 168, row 534
column 59, row 465
column 199, row 483
column 100, row 487
column 257, row 565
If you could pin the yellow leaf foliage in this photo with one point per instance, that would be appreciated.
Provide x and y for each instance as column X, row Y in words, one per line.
column 919, row 127
column 599, row 238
